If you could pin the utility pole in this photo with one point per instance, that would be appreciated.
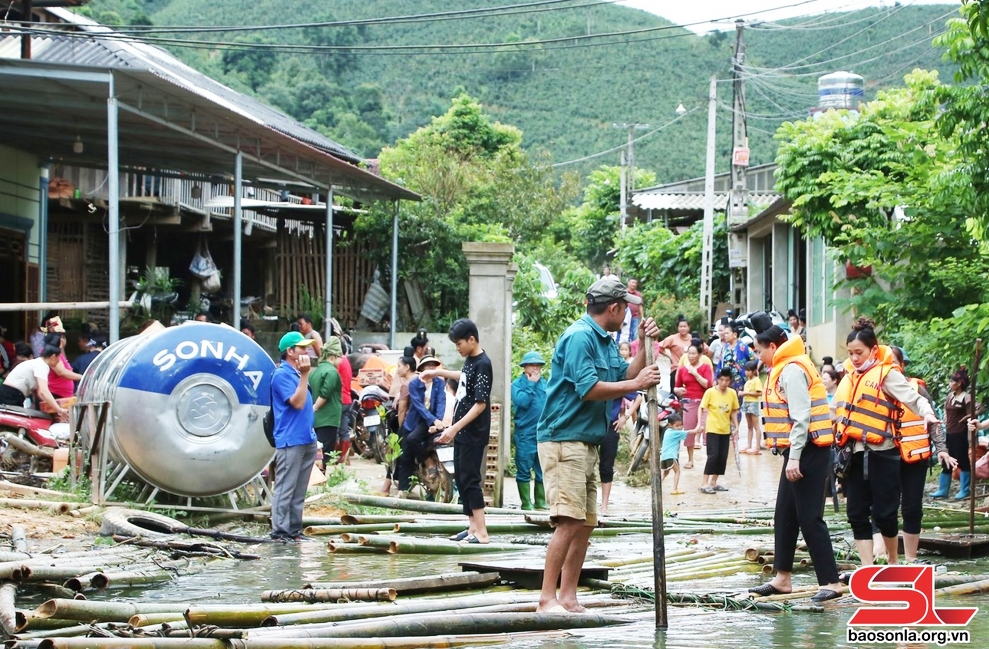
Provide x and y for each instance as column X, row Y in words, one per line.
column 628, row 167
column 707, row 254
column 738, row 209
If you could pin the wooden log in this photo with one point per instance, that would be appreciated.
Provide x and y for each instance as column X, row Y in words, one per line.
column 416, row 585
column 25, row 446
column 421, row 505
column 245, row 615
column 972, row 588
column 72, row 609
column 13, row 487
column 18, row 538
column 313, row 595
column 454, row 624
column 8, row 613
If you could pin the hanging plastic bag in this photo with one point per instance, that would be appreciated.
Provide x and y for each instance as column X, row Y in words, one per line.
column 202, row 265
column 211, row 284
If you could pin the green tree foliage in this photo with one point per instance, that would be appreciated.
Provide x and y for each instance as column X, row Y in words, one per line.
column 671, row 263
column 884, row 189
column 252, row 65
column 478, row 185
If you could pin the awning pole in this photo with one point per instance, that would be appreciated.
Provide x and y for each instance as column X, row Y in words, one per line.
column 113, row 191
column 328, row 309
column 43, row 233
column 238, row 233
column 394, row 278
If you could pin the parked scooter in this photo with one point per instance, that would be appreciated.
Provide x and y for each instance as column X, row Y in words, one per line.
column 435, row 473
column 19, row 429
column 370, row 428
column 639, row 446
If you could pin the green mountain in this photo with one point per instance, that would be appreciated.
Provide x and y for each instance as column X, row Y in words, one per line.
column 565, row 94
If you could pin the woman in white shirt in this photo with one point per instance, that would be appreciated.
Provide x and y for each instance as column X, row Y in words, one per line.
column 30, row 377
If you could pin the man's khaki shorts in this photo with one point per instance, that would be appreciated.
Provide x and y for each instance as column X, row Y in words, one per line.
column 570, row 475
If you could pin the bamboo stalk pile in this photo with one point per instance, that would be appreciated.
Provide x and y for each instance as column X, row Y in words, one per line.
column 47, row 500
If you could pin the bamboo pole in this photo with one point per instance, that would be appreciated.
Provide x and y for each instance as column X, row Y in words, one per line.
column 420, row 505
column 656, row 480
column 67, row 631
column 454, row 527
column 7, row 556
column 943, row 581
column 72, row 609
column 973, row 440
column 416, row 585
column 246, row 614
column 313, row 595
column 429, row 642
column 132, row 643
column 452, row 624
column 323, row 520
column 318, row 530
column 149, row 619
column 352, row 548
column 367, row 519
column 973, row 588
column 8, row 614
column 26, row 503
column 28, row 621
column 84, row 511
column 130, row 578
column 421, row 546
column 13, row 487
column 366, row 611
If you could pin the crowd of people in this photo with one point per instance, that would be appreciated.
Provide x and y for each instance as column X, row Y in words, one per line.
column 36, row 372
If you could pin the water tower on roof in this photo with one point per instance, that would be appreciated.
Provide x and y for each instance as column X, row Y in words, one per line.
column 840, row 90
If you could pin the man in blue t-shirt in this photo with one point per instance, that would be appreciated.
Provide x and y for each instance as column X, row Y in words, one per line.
column 295, row 441
column 587, row 374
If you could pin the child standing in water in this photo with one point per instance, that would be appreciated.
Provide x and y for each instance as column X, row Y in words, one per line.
column 751, row 404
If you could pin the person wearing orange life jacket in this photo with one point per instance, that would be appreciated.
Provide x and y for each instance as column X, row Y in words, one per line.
column 867, row 411
column 797, row 424
column 916, row 448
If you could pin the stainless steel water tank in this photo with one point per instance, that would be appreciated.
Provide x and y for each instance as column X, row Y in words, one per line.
column 187, row 404
column 840, row 90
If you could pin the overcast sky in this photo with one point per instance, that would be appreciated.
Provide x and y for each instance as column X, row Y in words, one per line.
column 691, row 11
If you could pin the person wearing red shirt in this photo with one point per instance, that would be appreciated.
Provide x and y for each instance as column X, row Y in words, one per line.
column 347, row 417
column 692, row 379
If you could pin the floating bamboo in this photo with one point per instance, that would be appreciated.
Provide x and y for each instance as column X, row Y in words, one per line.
column 148, row 619
column 421, row 505
column 28, row 621
column 318, row 530
column 8, row 614
column 454, row 527
column 132, row 643
column 973, row 588
column 427, row 642
column 423, row 546
column 7, row 556
column 352, row 548
column 456, row 624
column 246, row 615
column 313, row 595
column 73, row 609
column 416, row 585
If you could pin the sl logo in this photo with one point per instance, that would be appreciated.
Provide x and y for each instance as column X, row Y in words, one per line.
column 912, row 586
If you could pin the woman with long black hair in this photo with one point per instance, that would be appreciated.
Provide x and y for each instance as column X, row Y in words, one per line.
column 957, row 409
column 798, row 425
column 868, row 407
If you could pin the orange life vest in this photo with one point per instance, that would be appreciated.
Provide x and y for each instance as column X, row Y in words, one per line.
column 863, row 412
column 776, row 419
column 912, row 437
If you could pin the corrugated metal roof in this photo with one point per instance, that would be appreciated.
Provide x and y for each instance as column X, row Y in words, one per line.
column 693, row 200
column 127, row 53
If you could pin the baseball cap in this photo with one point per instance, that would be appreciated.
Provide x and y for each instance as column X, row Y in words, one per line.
column 610, row 289
column 292, row 339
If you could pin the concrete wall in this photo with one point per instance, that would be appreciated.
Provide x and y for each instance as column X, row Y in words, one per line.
column 19, row 195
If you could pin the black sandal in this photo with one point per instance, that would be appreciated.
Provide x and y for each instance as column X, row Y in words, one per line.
column 766, row 590
column 825, row 595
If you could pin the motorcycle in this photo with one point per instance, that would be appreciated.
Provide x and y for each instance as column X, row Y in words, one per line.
column 19, row 425
column 667, row 405
column 371, row 431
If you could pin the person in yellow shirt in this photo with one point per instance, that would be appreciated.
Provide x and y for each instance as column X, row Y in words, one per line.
column 719, row 418
column 751, row 407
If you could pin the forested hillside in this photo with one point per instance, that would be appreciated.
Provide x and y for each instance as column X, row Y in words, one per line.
column 565, row 95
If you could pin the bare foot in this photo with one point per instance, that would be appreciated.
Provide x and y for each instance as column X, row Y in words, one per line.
column 548, row 606
column 573, row 607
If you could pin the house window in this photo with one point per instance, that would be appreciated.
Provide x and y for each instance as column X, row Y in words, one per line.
column 821, row 280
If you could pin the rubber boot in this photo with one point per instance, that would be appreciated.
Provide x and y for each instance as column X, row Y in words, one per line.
column 525, row 495
column 966, row 485
column 540, row 502
column 344, row 452
column 943, row 485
